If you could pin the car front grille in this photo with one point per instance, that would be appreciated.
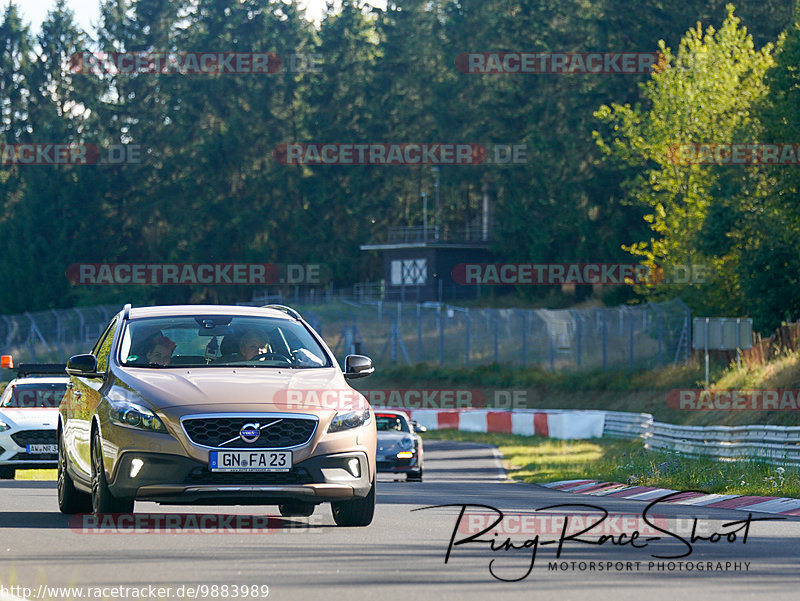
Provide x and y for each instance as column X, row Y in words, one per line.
column 202, row 475
column 214, row 432
column 26, row 437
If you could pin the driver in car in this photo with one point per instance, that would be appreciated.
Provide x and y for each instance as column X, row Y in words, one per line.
column 253, row 343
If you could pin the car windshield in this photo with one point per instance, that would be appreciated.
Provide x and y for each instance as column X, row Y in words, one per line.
column 390, row 422
column 35, row 395
column 220, row 341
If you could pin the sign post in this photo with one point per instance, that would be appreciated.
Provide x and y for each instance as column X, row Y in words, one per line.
column 723, row 334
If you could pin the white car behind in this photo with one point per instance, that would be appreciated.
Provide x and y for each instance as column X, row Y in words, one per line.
column 28, row 422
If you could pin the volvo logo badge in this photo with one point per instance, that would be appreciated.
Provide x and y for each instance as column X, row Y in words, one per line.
column 250, row 432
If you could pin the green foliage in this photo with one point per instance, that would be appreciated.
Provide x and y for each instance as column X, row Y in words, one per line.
column 717, row 89
column 209, row 189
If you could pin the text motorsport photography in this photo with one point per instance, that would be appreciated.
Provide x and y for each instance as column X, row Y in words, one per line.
column 664, row 540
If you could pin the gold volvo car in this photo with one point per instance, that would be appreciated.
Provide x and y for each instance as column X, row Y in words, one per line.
column 216, row 405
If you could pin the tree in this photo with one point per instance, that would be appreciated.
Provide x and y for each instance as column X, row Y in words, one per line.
column 703, row 94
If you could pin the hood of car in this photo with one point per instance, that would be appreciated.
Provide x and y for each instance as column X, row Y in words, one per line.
column 37, row 417
column 391, row 438
column 238, row 389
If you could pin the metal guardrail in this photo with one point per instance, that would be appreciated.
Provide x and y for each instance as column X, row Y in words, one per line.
column 619, row 424
column 770, row 444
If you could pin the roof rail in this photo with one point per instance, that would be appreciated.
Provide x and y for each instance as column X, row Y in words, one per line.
column 288, row 310
column 26, row 369
column 126, row 312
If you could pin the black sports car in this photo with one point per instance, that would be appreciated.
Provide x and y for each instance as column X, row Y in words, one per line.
column 399, row 446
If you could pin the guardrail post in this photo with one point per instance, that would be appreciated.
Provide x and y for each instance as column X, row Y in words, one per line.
column 419, row 333
column 494, row 335
column 441, row 334
column 578, row 335
column 466, row 336
column 632, row 361
column 604, row 344
column 706, row 354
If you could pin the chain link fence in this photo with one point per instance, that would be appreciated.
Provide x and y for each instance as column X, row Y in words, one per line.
column 53, row 335
column 627, row 336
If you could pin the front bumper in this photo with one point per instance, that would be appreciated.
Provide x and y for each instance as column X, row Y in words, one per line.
column 174, row 479
column 15, row 454
column 392, row 464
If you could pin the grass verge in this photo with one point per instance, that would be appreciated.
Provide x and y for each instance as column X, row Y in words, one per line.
column 536, row 459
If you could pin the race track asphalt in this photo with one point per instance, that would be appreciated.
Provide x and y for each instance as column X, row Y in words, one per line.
column 401, row 556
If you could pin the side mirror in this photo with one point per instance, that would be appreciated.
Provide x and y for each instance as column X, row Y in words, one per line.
column 82, row 365
column 357, row 366
column 418, row 427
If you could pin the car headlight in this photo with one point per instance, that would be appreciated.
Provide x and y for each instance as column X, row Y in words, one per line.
column 134, row 416
column 345, row 420
column 4, row 426
column 406, row 444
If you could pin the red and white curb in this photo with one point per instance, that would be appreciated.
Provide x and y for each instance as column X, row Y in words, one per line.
column 776, row 505
column 566, row 425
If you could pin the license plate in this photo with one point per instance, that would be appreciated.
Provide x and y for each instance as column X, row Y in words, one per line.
column 37, row 449
column 250, row 461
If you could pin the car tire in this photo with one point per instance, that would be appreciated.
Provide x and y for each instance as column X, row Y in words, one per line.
column 70, row 499
column 414, row 476
column 358, row 512
column 102, row 499
column 296, row 509
column 7, row 473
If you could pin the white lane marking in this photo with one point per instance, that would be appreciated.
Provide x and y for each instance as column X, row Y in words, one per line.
column 498, row 457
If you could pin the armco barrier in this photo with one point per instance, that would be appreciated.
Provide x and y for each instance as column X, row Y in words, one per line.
column 619, row 424
column 771, row 444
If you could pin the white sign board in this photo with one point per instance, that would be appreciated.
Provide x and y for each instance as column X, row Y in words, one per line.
column 724, row 333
